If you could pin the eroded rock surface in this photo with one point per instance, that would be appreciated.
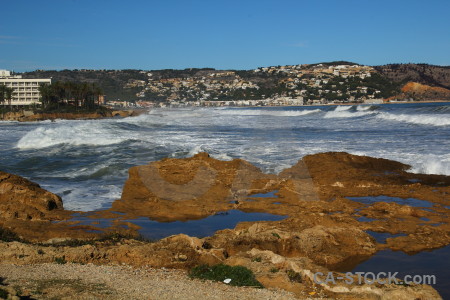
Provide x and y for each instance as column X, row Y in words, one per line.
column 25, row 200
column 332, row 202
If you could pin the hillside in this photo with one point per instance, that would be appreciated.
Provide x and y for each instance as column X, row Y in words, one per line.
column 418, row 91
column 438, row 76
column 338, row 81
column 112, row 82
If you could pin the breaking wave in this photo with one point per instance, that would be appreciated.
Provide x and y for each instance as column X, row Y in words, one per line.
column 80, row 134
column 433, row 165
column 365, row 107
column 343, row 107
column 421, row 119
column 347, row 114
column 257, row 112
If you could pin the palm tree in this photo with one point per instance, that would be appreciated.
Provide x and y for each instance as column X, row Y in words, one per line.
column 2, row 98
column 45, row 92
column 8, row 95
column 2, row 93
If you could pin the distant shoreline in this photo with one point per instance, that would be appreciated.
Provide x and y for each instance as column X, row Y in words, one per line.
column 335, row 104
column 23, row 116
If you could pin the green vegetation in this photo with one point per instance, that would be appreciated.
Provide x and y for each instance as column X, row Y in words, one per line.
column 107, row 238
column 239, row 275
column 61, row 260
column 5, row 94
column 112, row 82
column 78, row 95
column 3, row 294
column 294, row 276
column 338, row 62
column 274, row 270
column 257, row 259
column 312, row 82
column 72, row 286
column 7, row 235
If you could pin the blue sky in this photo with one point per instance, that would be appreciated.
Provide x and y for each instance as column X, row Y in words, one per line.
column 98, row 34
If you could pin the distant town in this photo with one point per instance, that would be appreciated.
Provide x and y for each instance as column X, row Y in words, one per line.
column 297, row 85
column 303, row 84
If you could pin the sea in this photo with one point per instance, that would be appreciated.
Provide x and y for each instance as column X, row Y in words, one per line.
column 86, row 162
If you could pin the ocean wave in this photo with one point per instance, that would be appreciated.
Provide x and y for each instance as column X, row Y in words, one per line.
column 343, row 107
column 366, row 107
column 420, row 119
column 432, row 165
column 433, row 109
column 276, row 113
column 347, row 114
column 80, row 134
column 81, row 197
column 214, row 154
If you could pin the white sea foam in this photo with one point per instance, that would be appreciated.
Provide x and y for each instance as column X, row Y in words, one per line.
column 197, row 149
column 432, row 165
column 276, row 113
column 420, row 119
column 80, row 197
column 347, row 114
column 222, row 156
column 363, row 107
column 343, row 107
column 268, row 138
column 89, row 133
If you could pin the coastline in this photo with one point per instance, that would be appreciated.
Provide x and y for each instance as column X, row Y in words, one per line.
column 27, row 116
column 358, row 103
column 325, row 230
column 319, row 105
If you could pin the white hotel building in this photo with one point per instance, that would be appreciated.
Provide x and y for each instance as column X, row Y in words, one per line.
column 26, row 91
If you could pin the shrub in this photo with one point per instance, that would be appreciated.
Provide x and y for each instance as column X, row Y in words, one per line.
column 3, row 294
column 60, row 260
column 276, row 235
column 7, row 235
column 239, row 275
column 257, row 259
column 294, row 276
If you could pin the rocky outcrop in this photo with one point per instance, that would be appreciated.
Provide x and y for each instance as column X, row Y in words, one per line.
column 29, row 116
column 322, row 231
column 25, row 200
column 191, row 188
column 418, row 91
column 295, row 274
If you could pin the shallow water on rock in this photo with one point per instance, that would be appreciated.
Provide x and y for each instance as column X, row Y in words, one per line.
column 200, row 228
column 435, row 262
column 365, row 219
column 265, row 195
column 381, row 237
column 408, row 201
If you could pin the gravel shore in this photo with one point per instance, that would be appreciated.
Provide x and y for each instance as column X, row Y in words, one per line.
column 77, row 281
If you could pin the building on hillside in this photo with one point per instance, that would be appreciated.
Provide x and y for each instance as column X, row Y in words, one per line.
column 25, row 91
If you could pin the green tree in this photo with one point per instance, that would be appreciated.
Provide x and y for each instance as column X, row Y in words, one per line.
column 6, row 94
